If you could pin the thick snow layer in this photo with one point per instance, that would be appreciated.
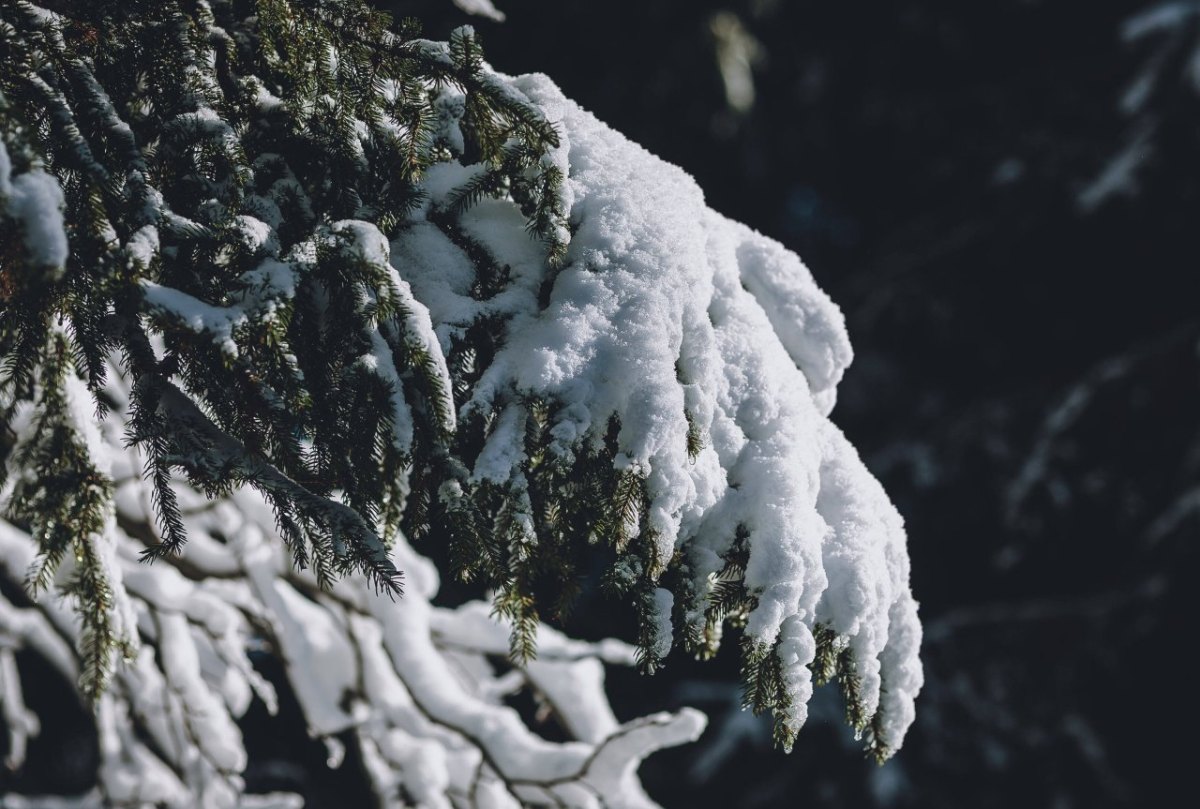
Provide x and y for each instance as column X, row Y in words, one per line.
column 663, row 311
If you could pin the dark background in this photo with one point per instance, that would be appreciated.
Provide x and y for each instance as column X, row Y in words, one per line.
column 1026, row 383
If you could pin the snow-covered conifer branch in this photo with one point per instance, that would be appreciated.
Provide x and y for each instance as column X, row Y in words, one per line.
column 420, row 688
column 304, row 239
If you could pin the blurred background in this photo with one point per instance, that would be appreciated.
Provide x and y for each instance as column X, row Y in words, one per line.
column 1003, row 198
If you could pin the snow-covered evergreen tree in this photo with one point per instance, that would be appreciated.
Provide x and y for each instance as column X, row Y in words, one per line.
column 288, row 291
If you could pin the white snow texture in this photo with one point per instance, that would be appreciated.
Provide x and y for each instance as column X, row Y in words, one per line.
column 663, row 312
column 666, row 308
column 418, row 686
column 34, row 201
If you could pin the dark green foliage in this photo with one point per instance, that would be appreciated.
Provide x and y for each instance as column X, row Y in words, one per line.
column 696, row 439
column 68, row 507
column 180, row 132
column 764, row 687
column 230, row 168
column 825, row 662
column 729, row 602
